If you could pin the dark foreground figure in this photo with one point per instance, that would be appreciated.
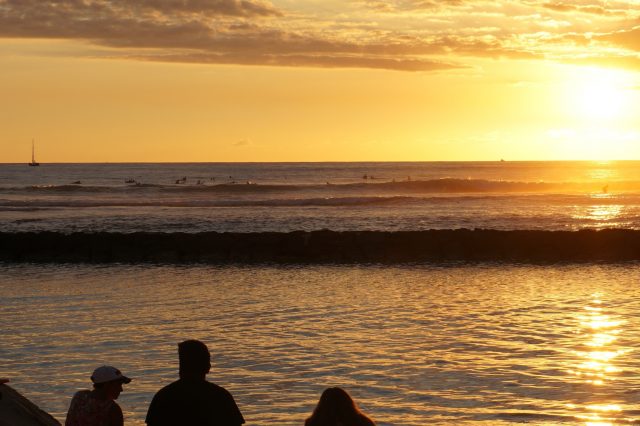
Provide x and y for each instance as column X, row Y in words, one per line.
column 337, row 408
column 192, row 400
column 16, row 410
column 98, row 407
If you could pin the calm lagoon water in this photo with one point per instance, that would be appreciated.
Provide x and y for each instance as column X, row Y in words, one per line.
column 415, row 345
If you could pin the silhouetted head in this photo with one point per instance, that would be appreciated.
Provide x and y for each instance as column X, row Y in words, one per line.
column 337, row 407
column 108, row 381
column 195, row 360
column 338, row 401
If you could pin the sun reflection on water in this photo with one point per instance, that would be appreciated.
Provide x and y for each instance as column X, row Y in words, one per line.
column 594, row 420
column 603, row 171
column 600, row 215
column 596, row 365
column 601, row 212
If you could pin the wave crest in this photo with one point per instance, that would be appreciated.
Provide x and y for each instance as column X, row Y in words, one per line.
column 443, row 185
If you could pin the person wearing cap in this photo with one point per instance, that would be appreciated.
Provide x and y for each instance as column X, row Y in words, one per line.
column 98, row 407
column 192, row 400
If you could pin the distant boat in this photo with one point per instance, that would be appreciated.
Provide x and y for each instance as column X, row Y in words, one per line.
column 33, row 155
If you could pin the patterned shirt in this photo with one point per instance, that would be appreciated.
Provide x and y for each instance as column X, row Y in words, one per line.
column 86, row 410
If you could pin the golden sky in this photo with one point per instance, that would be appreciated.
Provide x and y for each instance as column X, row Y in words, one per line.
column 319, row 80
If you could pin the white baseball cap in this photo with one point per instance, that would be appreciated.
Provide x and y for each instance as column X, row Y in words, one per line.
column 107, row 373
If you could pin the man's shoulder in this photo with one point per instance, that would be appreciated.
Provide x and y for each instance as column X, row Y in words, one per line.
column 181, row 386
column 168, row 389
column 215, row 388
column 194, row 402
column 81, row 395
column 210, row 389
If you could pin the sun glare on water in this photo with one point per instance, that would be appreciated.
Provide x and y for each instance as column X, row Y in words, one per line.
column 599, row 363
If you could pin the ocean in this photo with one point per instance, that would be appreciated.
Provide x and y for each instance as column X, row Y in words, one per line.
column 446, row 343
column 281, row 197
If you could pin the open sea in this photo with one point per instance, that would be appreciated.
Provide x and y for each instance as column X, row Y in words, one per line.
column 251, row 197
column 415, row 344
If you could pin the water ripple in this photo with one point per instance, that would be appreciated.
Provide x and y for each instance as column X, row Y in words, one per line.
column 479, row 344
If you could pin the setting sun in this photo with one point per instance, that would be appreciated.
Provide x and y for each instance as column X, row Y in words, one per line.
column 601, row 94
column 594, row 113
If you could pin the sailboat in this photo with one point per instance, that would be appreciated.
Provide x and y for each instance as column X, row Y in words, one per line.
column 33, row 155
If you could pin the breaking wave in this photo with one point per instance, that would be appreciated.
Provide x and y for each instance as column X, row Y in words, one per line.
column 357, row 201
column 444, row 185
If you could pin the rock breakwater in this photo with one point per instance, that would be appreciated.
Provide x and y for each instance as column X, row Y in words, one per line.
column 323, row 246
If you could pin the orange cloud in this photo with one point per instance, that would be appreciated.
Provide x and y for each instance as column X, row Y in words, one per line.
column 406, row 35
column 628, row 39
column 590, row 8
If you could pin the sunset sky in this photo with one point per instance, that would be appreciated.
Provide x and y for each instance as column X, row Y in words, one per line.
column 319, row 80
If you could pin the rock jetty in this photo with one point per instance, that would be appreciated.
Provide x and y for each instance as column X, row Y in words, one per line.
column 324, row 246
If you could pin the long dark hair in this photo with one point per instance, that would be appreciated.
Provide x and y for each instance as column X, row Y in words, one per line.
column 337, row 407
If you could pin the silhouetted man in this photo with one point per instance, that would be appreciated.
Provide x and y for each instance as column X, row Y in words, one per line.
column 192, row 400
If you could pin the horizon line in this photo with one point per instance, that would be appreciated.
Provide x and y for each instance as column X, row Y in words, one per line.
column 330, row 161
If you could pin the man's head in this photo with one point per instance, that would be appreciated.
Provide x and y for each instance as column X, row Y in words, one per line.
column 195, row 360
column 109, row 380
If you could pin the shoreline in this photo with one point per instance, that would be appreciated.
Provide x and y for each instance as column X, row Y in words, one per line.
column 324, row 246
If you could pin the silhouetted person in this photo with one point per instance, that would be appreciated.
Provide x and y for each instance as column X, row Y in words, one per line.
column 98, row 407
column 192, row 400
column 336, row 408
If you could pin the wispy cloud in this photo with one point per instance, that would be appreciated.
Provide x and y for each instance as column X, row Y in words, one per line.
column 89, row 8
column 242, row 143
column 406, row 35
column 629, row 39
column 597, row 9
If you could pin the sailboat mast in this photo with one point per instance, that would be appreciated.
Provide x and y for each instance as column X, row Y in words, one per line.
column 33, row 154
